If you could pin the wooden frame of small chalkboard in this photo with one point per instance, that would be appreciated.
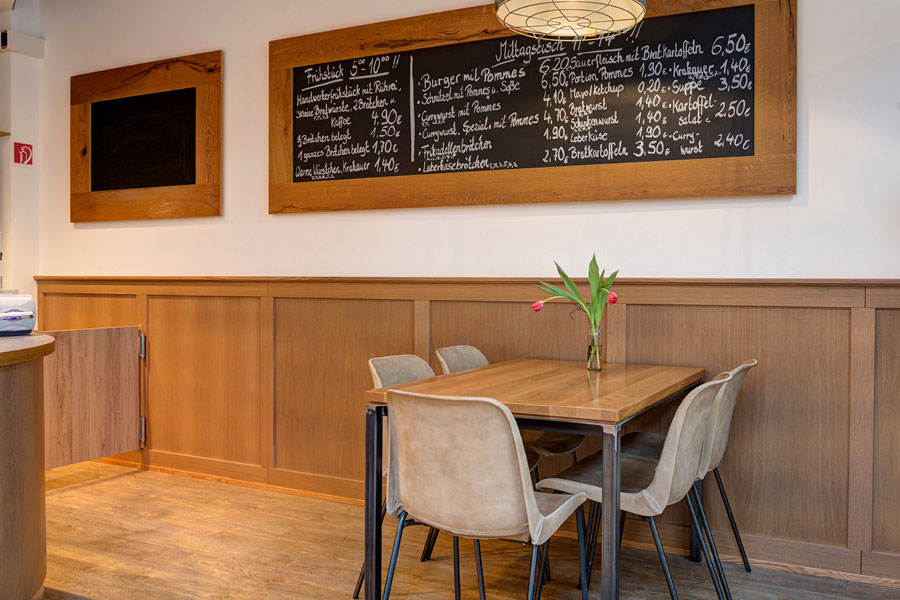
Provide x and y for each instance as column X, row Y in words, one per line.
column 172, row 106
column 769, row 170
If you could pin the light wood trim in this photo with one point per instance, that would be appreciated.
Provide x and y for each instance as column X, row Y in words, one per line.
column 878, row 564
column 202, row 199
column 771, row 172
column 24, row 348
column 319, row 484
column 862, row 428
column 267, row 381
column 422, row 328
column 168, row 202
column 160, row 460
column 883, row 296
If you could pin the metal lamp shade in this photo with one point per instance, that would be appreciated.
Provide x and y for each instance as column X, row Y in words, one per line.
column 571, row 20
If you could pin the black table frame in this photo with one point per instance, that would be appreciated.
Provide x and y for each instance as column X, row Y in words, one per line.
column 612, row 443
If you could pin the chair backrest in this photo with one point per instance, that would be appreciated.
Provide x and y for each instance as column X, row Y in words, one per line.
column 460, row 358
column 459, row 464
column 402, row 368
column 684, row 447
column 723, row 410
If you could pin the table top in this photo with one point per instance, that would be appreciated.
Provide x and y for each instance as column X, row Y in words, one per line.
column 15, row 349
column 560, row 389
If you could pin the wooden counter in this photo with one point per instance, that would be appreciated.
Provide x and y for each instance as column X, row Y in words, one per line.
column 23, row 551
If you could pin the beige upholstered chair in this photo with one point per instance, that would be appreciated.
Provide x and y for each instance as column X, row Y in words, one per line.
column 485, row 492
column 649, row 445
column 648, row 487
column 387, row 371
column 544, row 443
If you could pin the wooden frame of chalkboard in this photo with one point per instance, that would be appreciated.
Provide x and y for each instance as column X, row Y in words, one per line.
column 769, row 170
column 174, row 104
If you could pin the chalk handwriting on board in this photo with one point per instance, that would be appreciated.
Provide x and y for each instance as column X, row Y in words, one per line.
column 676, row 88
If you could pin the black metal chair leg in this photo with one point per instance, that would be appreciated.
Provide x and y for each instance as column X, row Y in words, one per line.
column 734, row 527
column 540, row 583
column 704, row 549
column 582, row 553
column 545, row 569
column 428, row 548
column 479, row 568
column 621, row 528
column 535, row 551
column 574, row 458
column 359, row 582
column 401, row 524
column 456, row 590
column 592, row 543
column 662, row 558
column 712, row 543
column 362, row 571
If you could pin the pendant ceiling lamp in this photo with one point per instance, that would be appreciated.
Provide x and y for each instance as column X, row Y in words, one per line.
column 571, row 20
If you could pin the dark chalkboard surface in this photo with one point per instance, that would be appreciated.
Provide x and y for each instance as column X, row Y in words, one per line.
column 677, row 88
column 144, row 141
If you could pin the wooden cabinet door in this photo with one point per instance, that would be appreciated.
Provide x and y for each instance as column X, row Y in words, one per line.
column 91, row 395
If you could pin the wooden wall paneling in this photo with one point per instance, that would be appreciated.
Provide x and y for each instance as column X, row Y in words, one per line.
column 322, row 348
column 886, row 517
column 423, row 329
column 862, row 427
column 91, row 395
column 203, row 199
column 204, row 377
column 789, row 432
column 85, row 311
column 267, row 380
column 616, row 350
column 771, row 171
column 879, row 564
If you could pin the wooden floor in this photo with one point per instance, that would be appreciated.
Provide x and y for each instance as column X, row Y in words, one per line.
column 115, row 533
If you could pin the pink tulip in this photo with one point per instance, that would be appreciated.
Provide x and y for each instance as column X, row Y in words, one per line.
column 612, row 298
column 537, row 306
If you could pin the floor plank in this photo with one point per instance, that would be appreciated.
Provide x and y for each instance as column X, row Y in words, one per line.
column 115, row 533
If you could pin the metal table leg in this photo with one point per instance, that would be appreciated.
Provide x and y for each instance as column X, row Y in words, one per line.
column 609, row 545
column 374, row 433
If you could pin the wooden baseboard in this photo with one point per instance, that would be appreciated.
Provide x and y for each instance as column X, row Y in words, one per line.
column 133, row 460
column 880, row 565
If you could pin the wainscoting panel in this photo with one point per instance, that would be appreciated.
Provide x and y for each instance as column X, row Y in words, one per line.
column 322, row 348
column 790, row 430
column 886, row 508
column 203, row 362
column 76, row 311
column 260, row 381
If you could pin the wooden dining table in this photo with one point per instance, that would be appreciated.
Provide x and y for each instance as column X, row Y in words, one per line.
column 546, row 395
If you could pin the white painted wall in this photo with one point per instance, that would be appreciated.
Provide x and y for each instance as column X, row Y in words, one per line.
column 20, row 79
column 844, row 222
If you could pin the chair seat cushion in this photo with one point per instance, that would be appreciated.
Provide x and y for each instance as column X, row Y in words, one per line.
column 587, row 477
column 548, row 443
column 640, row 444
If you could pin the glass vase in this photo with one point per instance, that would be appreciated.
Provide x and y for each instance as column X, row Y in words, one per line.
column 594, row 355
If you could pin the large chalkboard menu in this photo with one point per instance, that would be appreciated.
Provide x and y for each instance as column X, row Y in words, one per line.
column 678, row 87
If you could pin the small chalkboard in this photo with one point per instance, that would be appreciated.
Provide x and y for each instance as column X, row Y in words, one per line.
column 144, row 141
column 147, row 140
column 679, row 87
